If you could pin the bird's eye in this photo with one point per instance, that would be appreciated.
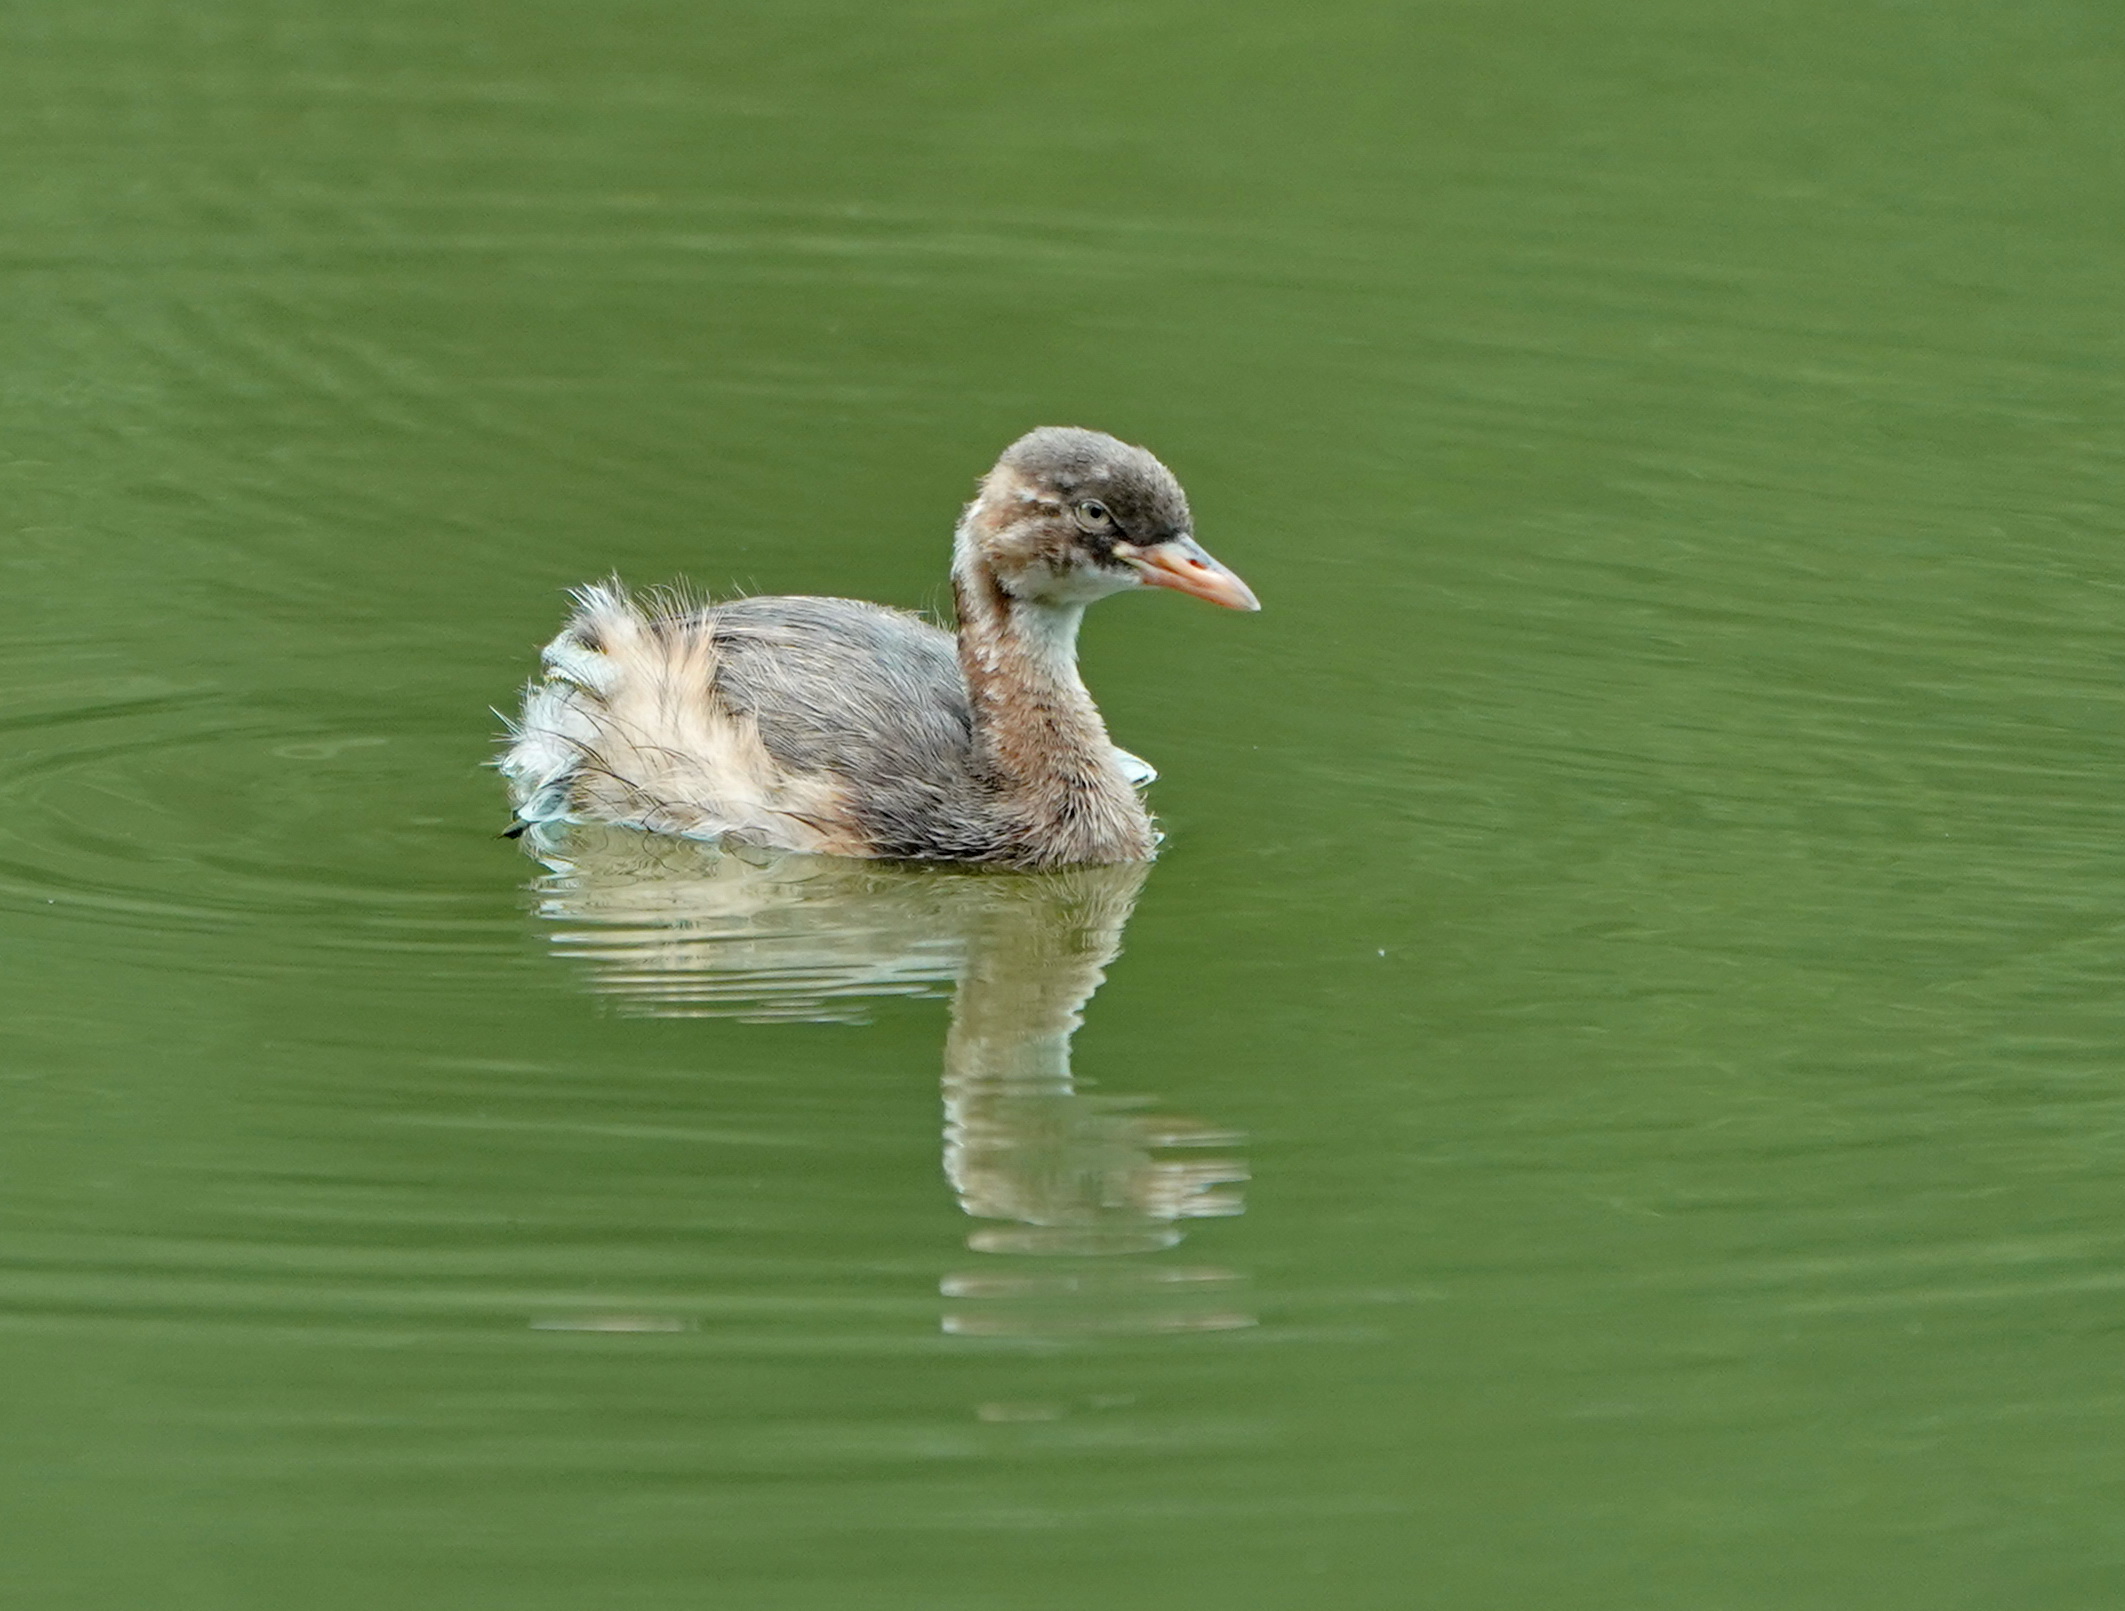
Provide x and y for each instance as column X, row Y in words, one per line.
column 1093, row 516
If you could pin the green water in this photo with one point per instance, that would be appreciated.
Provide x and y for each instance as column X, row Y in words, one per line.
column 1614, row 1096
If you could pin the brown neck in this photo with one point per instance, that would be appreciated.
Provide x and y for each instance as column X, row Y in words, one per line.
column 1037, row 734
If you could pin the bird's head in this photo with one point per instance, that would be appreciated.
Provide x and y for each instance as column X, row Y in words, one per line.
column 1069, row 516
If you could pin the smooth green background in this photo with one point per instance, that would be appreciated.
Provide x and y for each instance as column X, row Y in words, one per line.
column 1648, row 887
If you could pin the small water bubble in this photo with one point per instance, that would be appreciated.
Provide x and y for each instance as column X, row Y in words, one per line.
column 1002, row 1413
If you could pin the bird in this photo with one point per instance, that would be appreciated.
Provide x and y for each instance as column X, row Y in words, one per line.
column 846, row 728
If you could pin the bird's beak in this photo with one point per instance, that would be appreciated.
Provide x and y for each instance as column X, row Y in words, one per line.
column 1183, row 565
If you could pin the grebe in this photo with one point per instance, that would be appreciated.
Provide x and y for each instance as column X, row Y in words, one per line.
column 850, row 729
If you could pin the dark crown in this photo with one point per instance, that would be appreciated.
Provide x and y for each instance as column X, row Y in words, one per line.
column 1146, row 501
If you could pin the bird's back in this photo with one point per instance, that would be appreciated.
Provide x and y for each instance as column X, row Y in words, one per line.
column 843, row 686
column 811, row 723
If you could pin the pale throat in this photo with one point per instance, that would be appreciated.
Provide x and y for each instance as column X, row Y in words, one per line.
column 1049, row 633
column 1035, row 726
column 1038, row 633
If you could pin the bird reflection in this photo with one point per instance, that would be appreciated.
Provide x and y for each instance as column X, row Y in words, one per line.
column 1092, row 1185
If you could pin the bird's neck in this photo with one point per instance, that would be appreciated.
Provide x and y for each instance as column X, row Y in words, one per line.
column 1037, row 734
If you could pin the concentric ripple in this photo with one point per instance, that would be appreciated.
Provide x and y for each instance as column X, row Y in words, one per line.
column 162, row 814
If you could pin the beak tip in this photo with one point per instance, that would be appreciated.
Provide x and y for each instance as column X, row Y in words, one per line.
column 1186, row 568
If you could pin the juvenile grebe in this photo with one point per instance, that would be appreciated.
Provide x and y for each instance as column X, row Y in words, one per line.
column 850, row 729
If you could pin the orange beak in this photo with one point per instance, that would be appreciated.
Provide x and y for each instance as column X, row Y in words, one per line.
column 1183, row 565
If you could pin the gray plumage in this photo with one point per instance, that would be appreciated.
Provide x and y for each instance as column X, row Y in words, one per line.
column 858, row 690
column 838, row 726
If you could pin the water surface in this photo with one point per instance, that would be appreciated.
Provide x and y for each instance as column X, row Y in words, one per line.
column 1612, row 1096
